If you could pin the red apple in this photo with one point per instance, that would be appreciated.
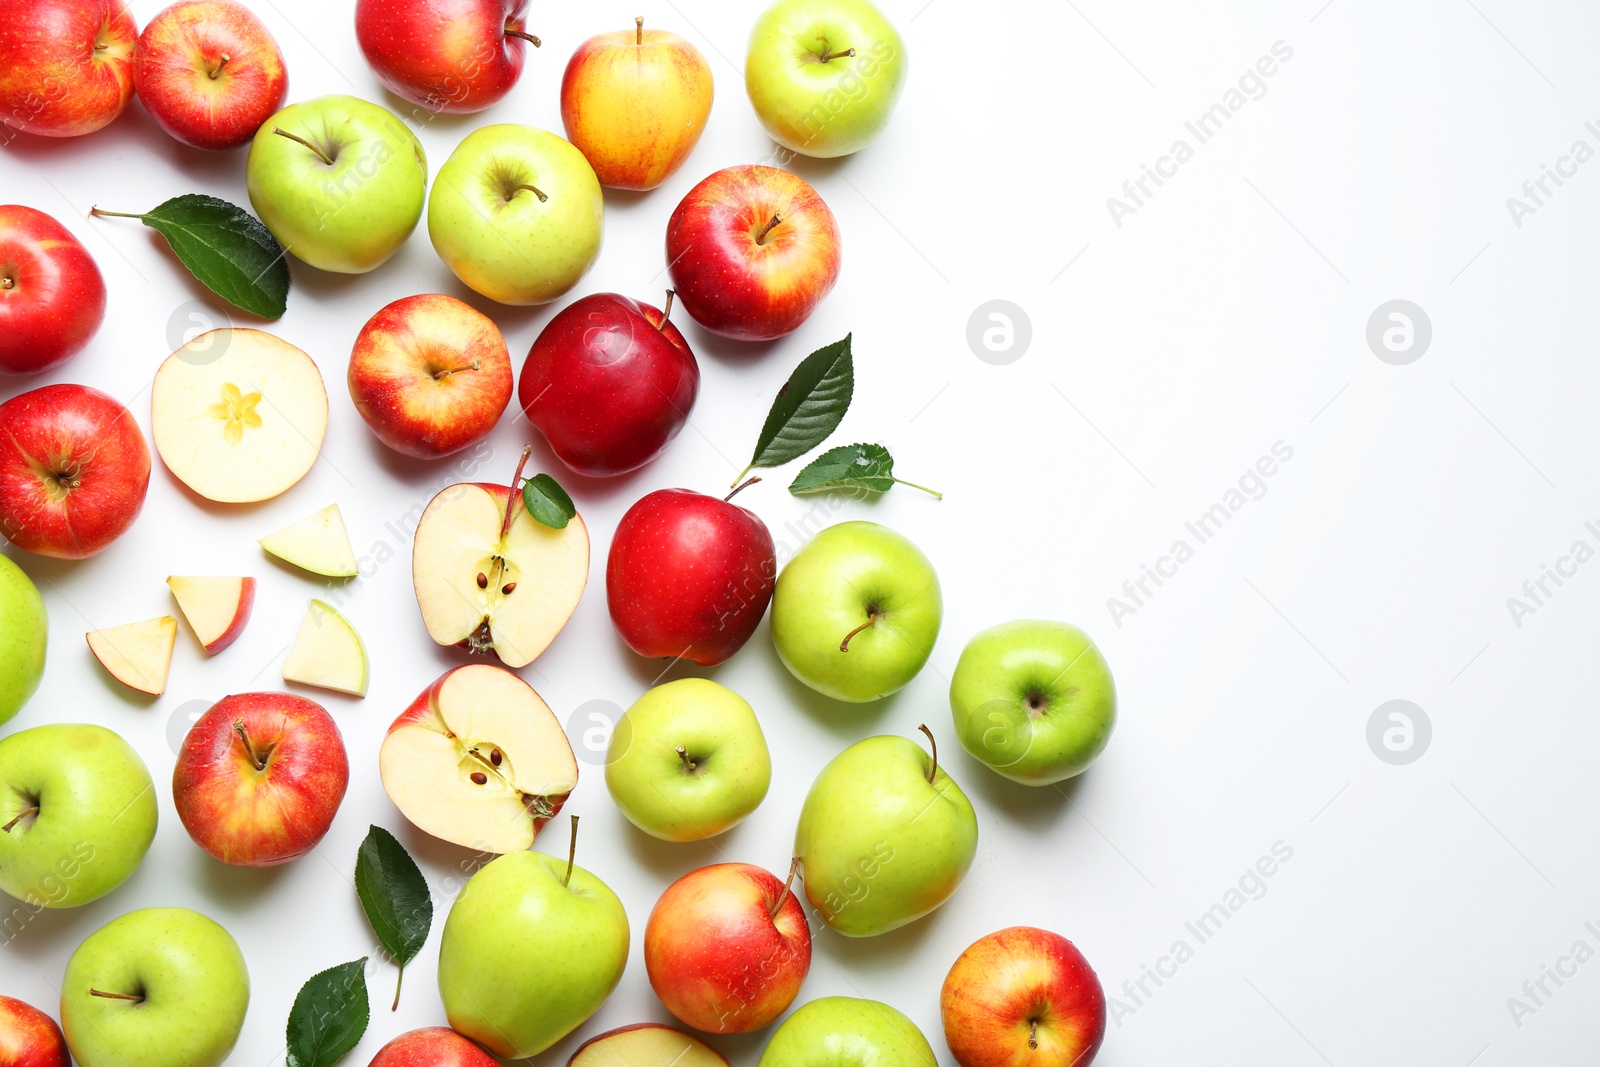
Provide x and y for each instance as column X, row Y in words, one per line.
column 430, row 375
column 446, row 55
column 73, row 470
column 209, row 72
column 689, row 576
column 260, row 778
column 66, row 66
column 609, row 382
column 432, row 1046
column 29, row 1037
column 726, row 948
column 1023, row 996
column 752, row 250
column 52, row 297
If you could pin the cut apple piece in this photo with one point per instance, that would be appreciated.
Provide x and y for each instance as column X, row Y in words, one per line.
column 327, row 653
column 646, row 1045
column 317, row 543
column 242, row 425
column 215, row 608
column 478, row 759
column 138, row 654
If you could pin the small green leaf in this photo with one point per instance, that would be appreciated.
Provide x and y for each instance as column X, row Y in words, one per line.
column 808, row 408
column 862, row 466
column 226, row 248
column 547, row 502
column 395, row 897
column 329, row 1016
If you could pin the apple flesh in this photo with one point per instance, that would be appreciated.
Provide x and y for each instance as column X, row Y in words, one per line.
column 74, row 471
column 137, row 654
column 317, row 543
column 209, row 73
column 432, row 1046
column 52, row 296
column 327, row 652
column 609, row 382
column 215, row 607
column 66, row 66
column 478, row 759
column 1023, row 996
column 29, row 1037
column 645, row 1045
column 24, row 637
column 466, row 67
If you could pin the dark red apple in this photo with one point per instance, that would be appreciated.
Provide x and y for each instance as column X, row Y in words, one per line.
column 52, row 297
column 689, row 576
column 609, row 383
column 446, row 55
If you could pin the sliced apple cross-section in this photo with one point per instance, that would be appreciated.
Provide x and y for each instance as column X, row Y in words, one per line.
column 327, row 653
column 138, row 654
column 242, row 425
column 478, row 759
column 216, row 608
column 646, row 1045
column 317, row 543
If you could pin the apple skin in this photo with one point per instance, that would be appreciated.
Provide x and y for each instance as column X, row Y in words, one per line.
column 1033, row 700
column 46, row 88
column 453, row 56
column 1019, row 985
column 684, row 1047
column 94, row 470
column 430, row 375
column 609, row 382
column 24, row 636
column 29, row 1037
column 52, row 296
column 635, row 102
column 209, row 72
column 717, row 957
column 737, row 286
column 251, row 815
column 817, row 107
column 432, row 1046
column 191, row 976
column 689, row 576
column 833, row 1031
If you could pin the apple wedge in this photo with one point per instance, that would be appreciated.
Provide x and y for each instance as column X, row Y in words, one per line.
column 137, row 654
column 327, row 653
column 646, row 1045
column 240, row 426
column 317, row 543
column 215, row 608
column 478, row 759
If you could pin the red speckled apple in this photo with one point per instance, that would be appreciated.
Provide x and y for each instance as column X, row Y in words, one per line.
column 29, row 1037
column 432, row 1046
column 1023, row 996
column 445, row 55
column 52, row 297
column 209, row 72
column 66, row 66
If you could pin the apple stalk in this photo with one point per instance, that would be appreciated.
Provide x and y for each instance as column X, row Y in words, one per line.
column 933, row 768
column 783, row 897
column 572, row 853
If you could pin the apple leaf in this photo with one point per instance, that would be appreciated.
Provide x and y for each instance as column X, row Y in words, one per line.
column 808, row 408
column 226, row 248
column 547, row 502
column 395, row 897
column 864, row 466
column 329, row 1016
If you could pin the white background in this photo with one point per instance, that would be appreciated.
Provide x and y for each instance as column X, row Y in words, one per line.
column 1227, row 314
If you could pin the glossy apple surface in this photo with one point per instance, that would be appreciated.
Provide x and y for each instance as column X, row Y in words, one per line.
column 29, row 1037
column 1022, row 996
column 24, row 635
column 66, row 66
column 835, row 1031
column 445, row 55
column 432, row 1046
column 209, row 72
column 52, row 297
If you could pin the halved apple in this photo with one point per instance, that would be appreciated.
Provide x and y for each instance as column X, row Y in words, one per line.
column 327, row 652
column 646, row 1045
column 215, row 608
column 137, row 654
column 317, row 543
column 241, row 426
column 478, row 759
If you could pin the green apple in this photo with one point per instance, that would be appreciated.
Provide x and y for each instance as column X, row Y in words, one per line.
column 161, row 987
column 688, row 761
column 1033, row 700
column 24, row 630
column 339, row 181
column 532, row 947
column 517, row 213
column 848, row 1032
column 77, row 814
column 856, row 611
column 885, row 836
column 824, row 75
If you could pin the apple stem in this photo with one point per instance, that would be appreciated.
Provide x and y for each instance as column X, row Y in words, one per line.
column 683, row 754
column 515, row 189
column 933, row 771
column 523, row 35
column 135, row 997
column 638, row 29
column 931, row 492
column 783, row 897
column 8, row 282
column 762, row 236
column 399, row 979
column 872, row 617
column 666, row 311
column 511, row 501
column 238, row 728
column 281, row 132
column 747, row 483
column 846, row 54
column 572, row 852
column 222, row 62
column 1033, row 1034
column 477, row 364
column 8, row 827
column 114, row 214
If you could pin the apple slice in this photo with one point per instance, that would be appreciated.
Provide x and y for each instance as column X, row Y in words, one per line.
column 242, row 425
column 215, row 608
column 327, row 653
column 478, row 759
column 317, row 543
column 646, row 1045
column 489, row 577
column 137, row 654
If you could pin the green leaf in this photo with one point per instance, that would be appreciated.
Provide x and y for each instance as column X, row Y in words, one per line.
column 226, row 248
column 329, row 1016
column 808, row 407
column 862, row 466
column 395, row 897
column 547, row 502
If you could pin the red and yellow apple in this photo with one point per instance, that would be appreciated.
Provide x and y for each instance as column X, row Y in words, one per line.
column 29, row 1037
column 446, row 55
column 209, row 72
column 66, row 66
column 52, row 297
column 1023, row 997
column 432, row 1046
